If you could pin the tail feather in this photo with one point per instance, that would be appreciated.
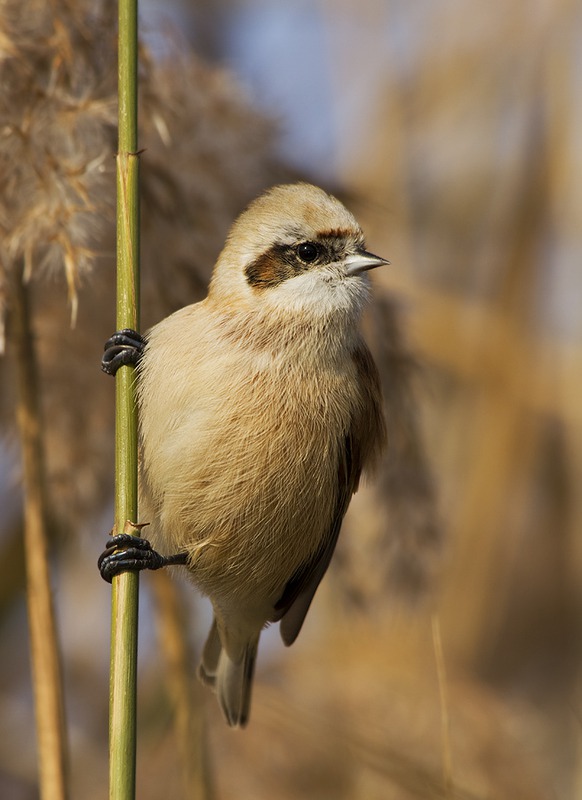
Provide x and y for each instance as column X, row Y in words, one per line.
column 208, row 666
column 231, row 680
column 234, row 683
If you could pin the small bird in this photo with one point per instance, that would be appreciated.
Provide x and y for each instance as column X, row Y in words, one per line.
column 259, row 408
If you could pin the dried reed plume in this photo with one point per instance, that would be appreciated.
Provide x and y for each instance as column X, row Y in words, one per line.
column 57, row 117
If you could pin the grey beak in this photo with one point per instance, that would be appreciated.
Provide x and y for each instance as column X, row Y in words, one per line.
column 362, row 261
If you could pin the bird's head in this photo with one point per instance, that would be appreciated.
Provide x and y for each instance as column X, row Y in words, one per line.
column 294, row 250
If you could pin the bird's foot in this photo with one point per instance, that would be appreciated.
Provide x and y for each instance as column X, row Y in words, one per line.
column 126, row 553
column 124, row 348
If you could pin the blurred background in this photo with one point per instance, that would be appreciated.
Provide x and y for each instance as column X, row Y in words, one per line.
column 442, row 655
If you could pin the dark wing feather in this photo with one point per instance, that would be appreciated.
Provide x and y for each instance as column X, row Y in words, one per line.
column 363, row 440
column 294, row 603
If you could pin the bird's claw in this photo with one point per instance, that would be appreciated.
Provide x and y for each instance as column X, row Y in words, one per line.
column 124, row 348
column 126, row 553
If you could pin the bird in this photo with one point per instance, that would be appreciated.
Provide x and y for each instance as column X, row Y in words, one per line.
column 259, row 409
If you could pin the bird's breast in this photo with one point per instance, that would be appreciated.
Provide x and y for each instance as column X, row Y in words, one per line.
column 241, row 444
column 245, row 474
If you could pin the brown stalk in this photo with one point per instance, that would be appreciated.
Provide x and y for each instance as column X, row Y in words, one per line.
column 45, row 657
column 185, row 694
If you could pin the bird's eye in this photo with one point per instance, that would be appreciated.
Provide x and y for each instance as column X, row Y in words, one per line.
column 308, row 252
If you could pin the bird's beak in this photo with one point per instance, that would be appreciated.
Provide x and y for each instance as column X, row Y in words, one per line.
column 362, row 261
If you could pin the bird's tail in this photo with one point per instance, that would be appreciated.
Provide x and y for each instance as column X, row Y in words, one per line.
column 231, row 680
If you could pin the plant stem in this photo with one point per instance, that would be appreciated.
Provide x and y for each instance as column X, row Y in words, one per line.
column 123, row 676
column 44, row 651
column 172, row 623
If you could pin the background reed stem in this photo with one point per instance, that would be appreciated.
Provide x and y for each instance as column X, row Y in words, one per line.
column 44, row 650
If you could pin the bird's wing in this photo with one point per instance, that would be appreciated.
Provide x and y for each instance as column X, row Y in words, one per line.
column 362, row 441
column 294, row 603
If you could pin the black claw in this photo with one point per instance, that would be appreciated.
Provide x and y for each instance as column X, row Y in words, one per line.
column 124, row 348
column 126, row 553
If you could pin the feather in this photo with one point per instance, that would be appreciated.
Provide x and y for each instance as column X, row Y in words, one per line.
column 366, row 434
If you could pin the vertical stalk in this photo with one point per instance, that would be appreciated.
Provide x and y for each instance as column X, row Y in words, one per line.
column 123, row 676
column 44, row 651
column 185, row 694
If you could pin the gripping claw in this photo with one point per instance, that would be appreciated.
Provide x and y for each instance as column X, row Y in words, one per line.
column 124, row 348
column 126, row 553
